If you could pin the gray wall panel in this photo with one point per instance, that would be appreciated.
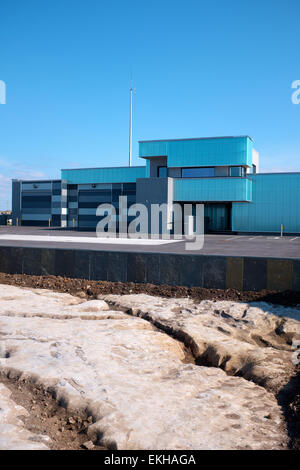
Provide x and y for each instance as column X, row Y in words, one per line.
column 187, row 270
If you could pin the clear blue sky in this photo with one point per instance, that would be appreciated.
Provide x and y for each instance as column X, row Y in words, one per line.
column 199, row 68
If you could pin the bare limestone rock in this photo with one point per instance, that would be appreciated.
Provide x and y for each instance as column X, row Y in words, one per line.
column 254, row 341
column 134, row 378
column 45, row 303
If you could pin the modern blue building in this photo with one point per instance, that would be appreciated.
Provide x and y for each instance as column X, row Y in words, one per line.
column 220, row 172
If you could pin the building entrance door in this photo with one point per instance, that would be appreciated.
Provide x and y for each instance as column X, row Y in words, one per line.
column 217, row 217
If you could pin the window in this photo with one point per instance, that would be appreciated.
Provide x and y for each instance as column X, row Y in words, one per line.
column 29, row 202
column 208, row 172
column 237, row 171
column 162, row 172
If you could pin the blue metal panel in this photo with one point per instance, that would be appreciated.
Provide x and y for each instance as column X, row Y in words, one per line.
column 201, row 152
column 212, row 189
column 153, row 148
column 104, row 175
column 276, row 201
column 36, row 217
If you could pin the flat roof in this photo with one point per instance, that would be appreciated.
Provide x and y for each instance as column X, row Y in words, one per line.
column 103, row 168
column 197, row 138
column 37, row 180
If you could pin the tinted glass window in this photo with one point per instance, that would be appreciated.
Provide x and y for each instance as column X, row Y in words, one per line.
column 237, row 171
column 117, row 186
column 129, row 189
column 72, row 199
column 99, row 192
column 39, row 201
column 129, row 186
column 116, row 193
column 198, row 172
column 72, row 211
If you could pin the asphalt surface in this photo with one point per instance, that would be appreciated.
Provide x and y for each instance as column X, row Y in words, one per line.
column 229, row 245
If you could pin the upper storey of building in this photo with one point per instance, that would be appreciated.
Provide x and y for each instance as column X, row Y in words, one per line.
column 179, row 158
column 200, row 157
column 205, row 152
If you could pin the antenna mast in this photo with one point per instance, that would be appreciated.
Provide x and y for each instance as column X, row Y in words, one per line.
column 130, row 127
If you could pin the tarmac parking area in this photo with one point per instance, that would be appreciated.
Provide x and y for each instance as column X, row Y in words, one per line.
column 270, row 246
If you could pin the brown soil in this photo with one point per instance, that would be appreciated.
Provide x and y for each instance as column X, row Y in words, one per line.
column 47, row 417
column 90, row 289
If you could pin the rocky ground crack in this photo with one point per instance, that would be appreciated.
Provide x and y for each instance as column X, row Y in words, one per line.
column 288, row 397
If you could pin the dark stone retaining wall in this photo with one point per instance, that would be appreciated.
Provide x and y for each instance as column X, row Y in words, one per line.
column 217, row 272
